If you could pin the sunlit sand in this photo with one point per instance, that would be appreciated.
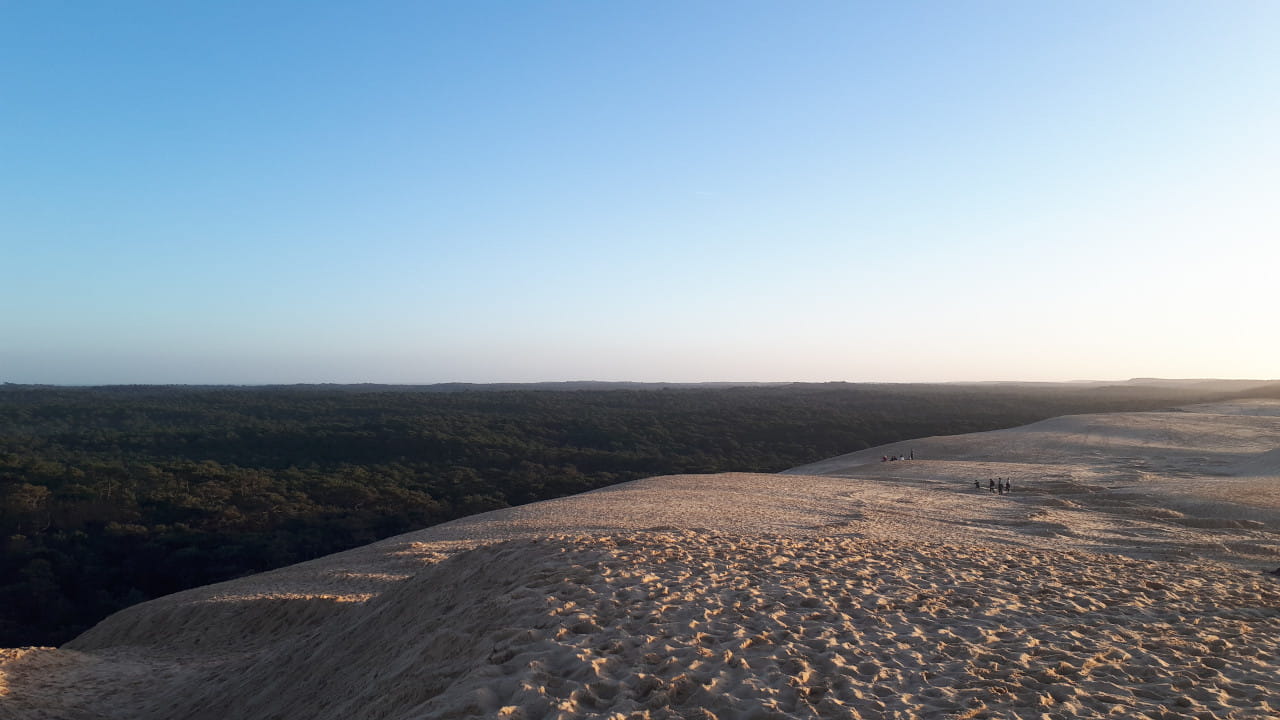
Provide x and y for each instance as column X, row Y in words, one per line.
column 1121, row 577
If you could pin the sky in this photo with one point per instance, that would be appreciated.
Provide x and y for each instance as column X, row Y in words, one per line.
column 416, row 192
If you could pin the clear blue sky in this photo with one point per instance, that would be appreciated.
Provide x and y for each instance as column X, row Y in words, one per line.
column 256, row 192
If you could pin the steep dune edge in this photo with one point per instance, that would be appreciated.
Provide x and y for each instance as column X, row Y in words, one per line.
column 874, row 590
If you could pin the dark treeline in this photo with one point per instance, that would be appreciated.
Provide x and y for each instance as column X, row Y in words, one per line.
column 111, row 496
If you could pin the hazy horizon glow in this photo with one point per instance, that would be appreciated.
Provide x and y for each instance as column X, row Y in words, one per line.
column 285, row 192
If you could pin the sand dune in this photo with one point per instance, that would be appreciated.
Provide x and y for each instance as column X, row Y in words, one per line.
column 1120, row 578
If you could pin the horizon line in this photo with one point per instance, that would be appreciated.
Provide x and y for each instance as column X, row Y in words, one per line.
column 1132, row 380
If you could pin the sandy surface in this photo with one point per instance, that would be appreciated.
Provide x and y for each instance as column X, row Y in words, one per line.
column 1120, row 578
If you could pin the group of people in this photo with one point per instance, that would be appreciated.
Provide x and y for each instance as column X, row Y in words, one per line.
column 891, row 458
column 995, row 485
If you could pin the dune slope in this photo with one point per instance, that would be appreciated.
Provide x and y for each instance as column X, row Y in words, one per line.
column 1120, row 578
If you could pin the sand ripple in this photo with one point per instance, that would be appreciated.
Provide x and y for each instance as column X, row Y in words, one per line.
column 701, row 625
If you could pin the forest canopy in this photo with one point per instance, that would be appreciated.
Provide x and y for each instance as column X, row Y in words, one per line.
column 111, row 496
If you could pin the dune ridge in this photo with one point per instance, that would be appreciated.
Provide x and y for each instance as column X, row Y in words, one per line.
column 1121, row 578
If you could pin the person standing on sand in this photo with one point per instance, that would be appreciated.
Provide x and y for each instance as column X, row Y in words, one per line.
column 991, row 485
column 977, row 485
